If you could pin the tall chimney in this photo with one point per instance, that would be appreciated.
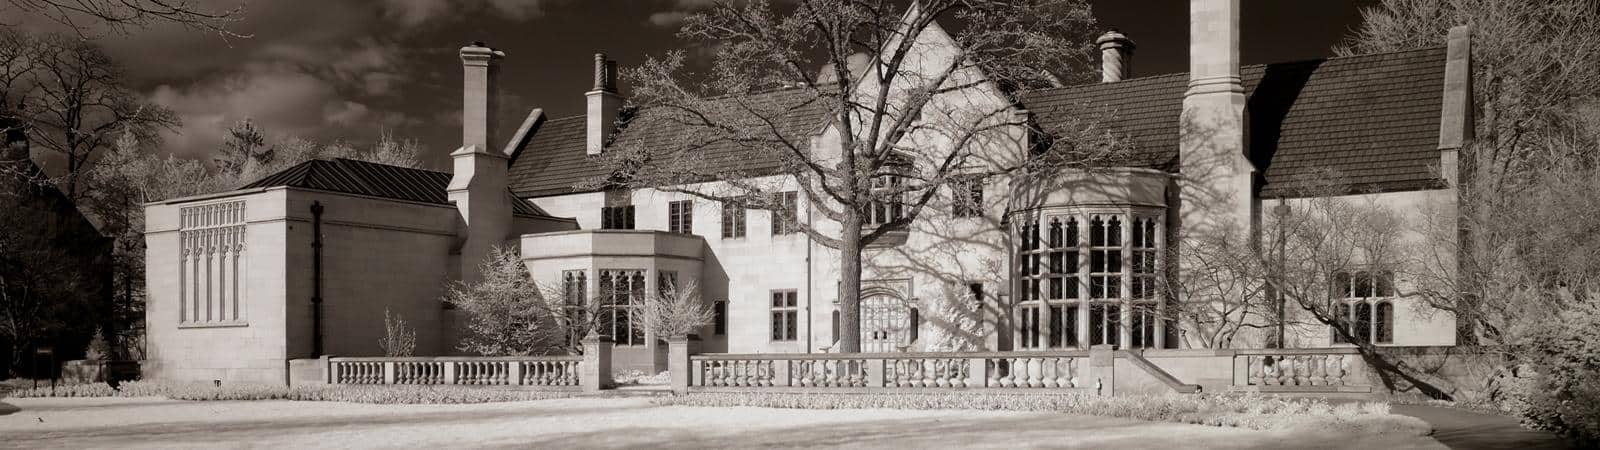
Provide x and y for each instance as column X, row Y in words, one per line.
column 1217, row 177
column 478, row 181
column 1116, row 56
column 603, row 104
column 1455, row 119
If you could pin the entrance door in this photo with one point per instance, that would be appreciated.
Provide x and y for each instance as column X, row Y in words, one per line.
column 885, row 324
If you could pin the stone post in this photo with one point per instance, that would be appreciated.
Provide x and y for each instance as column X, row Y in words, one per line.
column 388, row 372
column 875, row 372
column 977, row 372
column 596, row 364
column 1102, row 367
column 327, row 368
column 1241, row 370
column 678, row 363
column 514, row 373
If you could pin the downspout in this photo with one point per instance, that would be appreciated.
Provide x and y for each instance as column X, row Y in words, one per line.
column 316, row 279
column 810, row 313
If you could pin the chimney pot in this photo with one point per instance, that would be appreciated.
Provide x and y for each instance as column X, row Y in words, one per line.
column 603, row 102
column 1116, row 56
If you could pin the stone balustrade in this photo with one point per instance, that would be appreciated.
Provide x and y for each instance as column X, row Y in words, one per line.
column 1299, row 369
column 540, row 371
column 891, row 371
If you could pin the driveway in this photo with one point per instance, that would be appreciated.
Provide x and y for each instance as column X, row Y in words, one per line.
column 606, row 423
column 1461, row 429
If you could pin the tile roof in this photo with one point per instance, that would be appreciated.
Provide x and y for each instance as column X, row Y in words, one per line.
column 1372, row 118
column 377, row 180
column 553, row 160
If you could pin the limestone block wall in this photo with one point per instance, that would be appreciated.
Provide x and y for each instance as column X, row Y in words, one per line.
column 377, row 254
column 248, row 349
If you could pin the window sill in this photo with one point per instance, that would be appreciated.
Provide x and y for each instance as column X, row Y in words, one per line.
column 214, row 325
column 890, row 239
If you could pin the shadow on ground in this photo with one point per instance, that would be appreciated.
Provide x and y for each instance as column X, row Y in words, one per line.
column 1461, row 429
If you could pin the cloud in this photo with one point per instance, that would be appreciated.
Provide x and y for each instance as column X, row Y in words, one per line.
column 668, row 19
column 417, row 12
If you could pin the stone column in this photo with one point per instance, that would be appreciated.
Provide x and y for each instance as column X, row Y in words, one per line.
column 1102, row 367
column 678, row 363
column 596, row 366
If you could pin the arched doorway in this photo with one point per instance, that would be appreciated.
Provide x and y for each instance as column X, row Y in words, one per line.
column 885, row 321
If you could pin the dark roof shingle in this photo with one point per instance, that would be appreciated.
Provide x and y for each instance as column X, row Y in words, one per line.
column 1372, row 118
column 376, row 180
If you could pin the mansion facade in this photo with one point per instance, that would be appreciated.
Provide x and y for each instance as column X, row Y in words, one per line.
column 305, row 262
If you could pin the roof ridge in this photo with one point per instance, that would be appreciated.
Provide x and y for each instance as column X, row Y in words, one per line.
column 1241, row 68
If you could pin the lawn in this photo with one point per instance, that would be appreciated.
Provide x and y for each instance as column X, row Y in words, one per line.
column 599, row 423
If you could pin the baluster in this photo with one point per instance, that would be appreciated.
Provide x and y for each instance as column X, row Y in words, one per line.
column 930, row 378
column 1302, row 373
column 1034, row 377
column 1319, row 372
column 1051, row 371
column 992, row 368
column 1007, row 377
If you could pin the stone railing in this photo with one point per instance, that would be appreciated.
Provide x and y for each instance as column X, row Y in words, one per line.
column 590, row 371
column 543, row 371
column 1331, row 369
column 890, row 371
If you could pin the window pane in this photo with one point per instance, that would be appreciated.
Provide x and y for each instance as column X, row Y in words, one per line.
column 1385, row 323
column 719, row 312
column 1057, row 327
column 1363, row 324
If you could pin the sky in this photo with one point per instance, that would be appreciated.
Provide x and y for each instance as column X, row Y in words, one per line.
column 350, row 70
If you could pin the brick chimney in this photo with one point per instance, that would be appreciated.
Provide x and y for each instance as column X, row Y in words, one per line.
column 478, row 181
column 1217, row 177
column 603, row 104
column 1116, row 56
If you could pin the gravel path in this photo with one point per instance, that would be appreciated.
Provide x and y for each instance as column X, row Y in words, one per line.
column 599, row 423
column 1463, row 430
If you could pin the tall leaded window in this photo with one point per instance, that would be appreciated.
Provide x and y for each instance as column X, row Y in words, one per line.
column 680, row 216
column 732, row 220
column 785, row 213
column 616, row 217
column 1363, row 302
column 212, row 242
column 624, row 296
column 1085, row 278
column 575, row 299
column 785, row 316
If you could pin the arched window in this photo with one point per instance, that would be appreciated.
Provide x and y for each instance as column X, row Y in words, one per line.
column 1384, row 323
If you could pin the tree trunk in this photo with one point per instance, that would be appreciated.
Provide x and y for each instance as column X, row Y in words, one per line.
column 850, row 286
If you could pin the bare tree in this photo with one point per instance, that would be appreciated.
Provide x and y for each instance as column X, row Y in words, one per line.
column 907, row 106
column 511, row 314
column 74, row 105
column 89, row 17
column 676, row 311
column 1225, row 292
column 1533, row 67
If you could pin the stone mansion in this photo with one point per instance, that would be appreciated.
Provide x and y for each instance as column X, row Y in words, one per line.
column 304, row 262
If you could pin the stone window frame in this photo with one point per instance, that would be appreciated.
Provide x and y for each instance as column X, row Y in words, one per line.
column 680, row 216
column 966, row 196
column 1376, row 301
column 211, row 246
column 734, row 220
column 1033, row 246
column 785, row 213
column 574, row 300
column 784, row 313
column 617, row 217
column 629, row 307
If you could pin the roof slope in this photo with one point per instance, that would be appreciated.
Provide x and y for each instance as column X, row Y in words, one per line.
column 554, row 159
column 376, row 180
column 1372, row 118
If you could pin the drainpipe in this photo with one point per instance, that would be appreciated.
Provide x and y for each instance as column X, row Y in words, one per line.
column 316, row 279
column 810, row 313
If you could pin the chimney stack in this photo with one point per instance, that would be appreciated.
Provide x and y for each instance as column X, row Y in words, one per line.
column 1218, row 178
column 603, row 104
column 1116, row 56
column 478, row 181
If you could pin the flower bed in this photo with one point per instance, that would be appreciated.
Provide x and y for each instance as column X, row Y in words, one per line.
column 330, row 393
column 1250, row 411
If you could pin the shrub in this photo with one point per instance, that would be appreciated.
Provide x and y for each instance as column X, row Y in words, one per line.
column 1565, row 357
column 328, row 393
column 398, row 339
column 1244, row 411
